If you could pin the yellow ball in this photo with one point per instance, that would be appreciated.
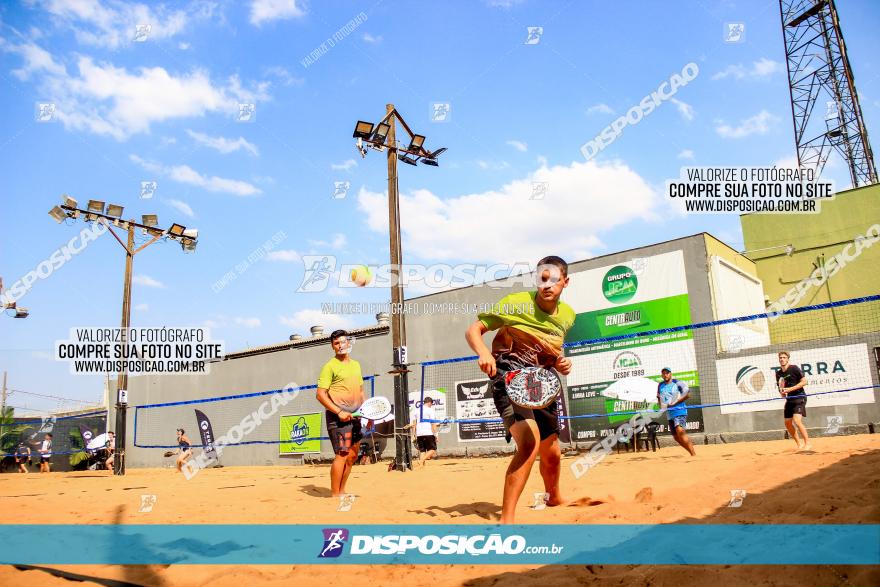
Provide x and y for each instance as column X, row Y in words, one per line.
column 361, row 275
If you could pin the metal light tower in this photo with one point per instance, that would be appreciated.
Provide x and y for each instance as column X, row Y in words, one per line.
column 188, row 238
column 819, row 72
column 382, row 137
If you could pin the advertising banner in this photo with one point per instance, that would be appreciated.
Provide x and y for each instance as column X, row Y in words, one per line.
column 742, row 380
column 640, row 295
column 300, row 433
column 473, row 401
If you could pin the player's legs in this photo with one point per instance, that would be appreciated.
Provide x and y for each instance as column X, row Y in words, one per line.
column 551, row 457
column 798, row 424
column 677, row 425
column 182, row 458
column 526, row 435
column 348, row 464
column 22, row 466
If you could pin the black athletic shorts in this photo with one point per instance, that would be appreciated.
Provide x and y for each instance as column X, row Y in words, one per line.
column 546, row 418
column 44, row 459
column 795, row 405
column 343, row 434
column 426, row 443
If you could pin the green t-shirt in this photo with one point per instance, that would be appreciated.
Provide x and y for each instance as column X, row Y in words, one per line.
column 343, row 382
column 526, row 333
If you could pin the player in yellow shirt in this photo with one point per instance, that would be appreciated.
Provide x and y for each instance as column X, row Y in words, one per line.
column 341, row 391
column 531, row 328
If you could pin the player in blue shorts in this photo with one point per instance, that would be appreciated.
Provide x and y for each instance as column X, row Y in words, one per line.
column 667, row 390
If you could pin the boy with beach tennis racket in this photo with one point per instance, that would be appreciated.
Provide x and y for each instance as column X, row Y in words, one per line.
column 531, row 328
column 341, row 392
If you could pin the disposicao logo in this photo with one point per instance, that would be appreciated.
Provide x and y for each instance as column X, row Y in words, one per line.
column 750, row 380
column 334, row 541
column 620, row 284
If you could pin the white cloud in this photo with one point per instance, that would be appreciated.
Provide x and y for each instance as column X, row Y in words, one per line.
column 760, row 69
column 519, row 146
column 505, row 225
column 371, row 39
column 492, row 165
column 147, row 281
column 302, row 321
column 181, row 207
column 346, row 165
column 107, row 100
column 222, row 144
column 600, row 108
column 141, row 307
column 248, row 322
column 685, row 109
column 269, row 10
column 283, row 75
column 183, row 46
column 186, row 174
column 339, row 241
column 284, row 255
column 758, row 124
column 113, row 23
column 686, row 154
column 790, row 161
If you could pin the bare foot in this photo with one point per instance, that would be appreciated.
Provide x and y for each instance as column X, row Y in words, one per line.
column 557, row 500
column 806, row 447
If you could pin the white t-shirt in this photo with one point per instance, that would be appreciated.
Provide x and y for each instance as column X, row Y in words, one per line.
column 424, row 428
column 45, row 448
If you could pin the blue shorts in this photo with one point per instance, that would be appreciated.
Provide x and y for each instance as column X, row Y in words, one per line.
column 678, row 421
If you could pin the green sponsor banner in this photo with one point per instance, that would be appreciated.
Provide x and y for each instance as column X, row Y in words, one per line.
column 631, row 319
column 588, row 399
column 300, row 433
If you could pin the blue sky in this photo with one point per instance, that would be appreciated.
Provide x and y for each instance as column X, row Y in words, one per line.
column 165, row 110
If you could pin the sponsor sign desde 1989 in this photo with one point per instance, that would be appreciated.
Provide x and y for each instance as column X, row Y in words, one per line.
column 638, row 295
column 743, row 380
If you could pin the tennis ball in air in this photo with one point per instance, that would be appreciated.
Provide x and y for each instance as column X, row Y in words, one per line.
column 361, row 275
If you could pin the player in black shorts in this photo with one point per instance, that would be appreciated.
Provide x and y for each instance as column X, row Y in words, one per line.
column 791, row 383
column 531, row 328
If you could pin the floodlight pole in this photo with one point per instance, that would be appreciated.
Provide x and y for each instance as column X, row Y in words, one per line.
column 403, row 453
column 122, row 380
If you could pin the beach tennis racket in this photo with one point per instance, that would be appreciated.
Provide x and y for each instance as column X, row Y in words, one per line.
column 374, row 408
column 533, row 387
column 169, row 453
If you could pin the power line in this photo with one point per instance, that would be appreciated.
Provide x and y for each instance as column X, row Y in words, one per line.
column 67, row 399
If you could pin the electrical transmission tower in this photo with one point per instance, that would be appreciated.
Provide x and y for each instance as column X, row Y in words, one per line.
column 819, row 74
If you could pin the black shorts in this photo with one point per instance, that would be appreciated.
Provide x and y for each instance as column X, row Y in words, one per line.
column 546, row 418
column 44, row 459
column 795, row 405
column 343, row 434
column 426, row 443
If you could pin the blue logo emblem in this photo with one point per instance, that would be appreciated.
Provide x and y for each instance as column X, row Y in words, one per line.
column 334, row 541
column 300, row 431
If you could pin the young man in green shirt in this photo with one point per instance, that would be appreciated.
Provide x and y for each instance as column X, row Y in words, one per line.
column 341, row 391
column 531, row 328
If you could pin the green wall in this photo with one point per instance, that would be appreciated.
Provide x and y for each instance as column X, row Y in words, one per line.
column 817, row 238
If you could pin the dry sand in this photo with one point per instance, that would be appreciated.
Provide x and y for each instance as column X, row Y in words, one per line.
column 837, row 483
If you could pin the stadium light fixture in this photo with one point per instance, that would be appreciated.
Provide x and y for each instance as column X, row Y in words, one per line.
column 415, row 145
column 58, row 214
column 95, row 207
column 114, row 210
column 431, row 162
column 407, row 160
column 21, row 313
column 176, row 230
column 363, row 130
column 381, row 133
column 150, row 225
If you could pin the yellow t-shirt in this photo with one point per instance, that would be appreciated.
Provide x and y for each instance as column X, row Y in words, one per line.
column 343, row 382
column 527, row 334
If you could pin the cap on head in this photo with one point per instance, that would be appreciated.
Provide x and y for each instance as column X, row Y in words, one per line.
column 666, row 370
